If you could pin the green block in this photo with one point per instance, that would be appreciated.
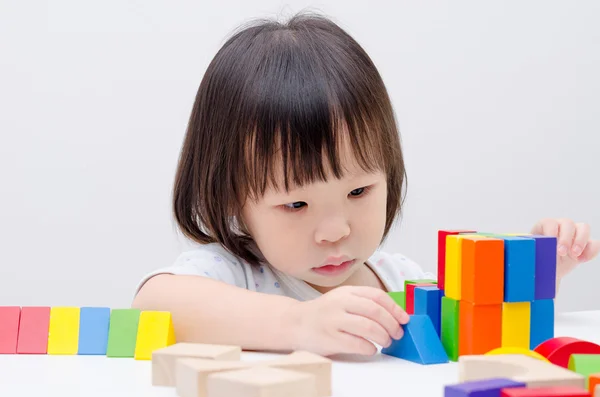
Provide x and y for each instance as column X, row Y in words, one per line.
column 423, row 281
column 585, row 364
column 449, row 328
column 122, row 332
column 399, row 297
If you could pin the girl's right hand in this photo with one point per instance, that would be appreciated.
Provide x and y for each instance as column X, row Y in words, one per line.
column 347, row 319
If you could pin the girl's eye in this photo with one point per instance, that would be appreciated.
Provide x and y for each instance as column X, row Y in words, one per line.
column 361, row 191
column 294, row 206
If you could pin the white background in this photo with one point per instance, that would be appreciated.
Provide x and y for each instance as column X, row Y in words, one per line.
column 498, row 105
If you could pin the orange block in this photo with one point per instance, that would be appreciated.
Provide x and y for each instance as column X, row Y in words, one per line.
column 482, row 275
column 594, row 380
column 480, row 328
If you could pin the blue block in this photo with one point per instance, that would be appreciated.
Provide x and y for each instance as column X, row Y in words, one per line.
column 481, row 388
column 428, row 300
column 545, row 266
column 420, row 343
column 93, row 330
column 519, row 269
column 542, row 322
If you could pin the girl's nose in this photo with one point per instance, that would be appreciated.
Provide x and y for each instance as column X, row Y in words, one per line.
column 332, row 229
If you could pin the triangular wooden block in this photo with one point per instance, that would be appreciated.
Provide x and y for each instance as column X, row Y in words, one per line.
column 420, row 343
column 155, row 331
column 122, row 332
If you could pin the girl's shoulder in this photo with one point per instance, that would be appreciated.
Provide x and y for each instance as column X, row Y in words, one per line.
column 395, row 268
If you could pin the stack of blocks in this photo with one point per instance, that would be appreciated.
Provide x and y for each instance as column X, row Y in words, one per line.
column 84, row 331
column 493, row 291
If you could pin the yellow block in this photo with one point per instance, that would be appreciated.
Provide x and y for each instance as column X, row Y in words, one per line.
column 453, row 276
column 63, row 333
column 516, row 324
column 517, row 350
column 155, row 331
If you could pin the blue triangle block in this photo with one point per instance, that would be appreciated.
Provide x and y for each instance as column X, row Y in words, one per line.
column 420, row 343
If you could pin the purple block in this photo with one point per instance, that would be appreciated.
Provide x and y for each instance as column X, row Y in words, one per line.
column 481, row 388
column 545, row 266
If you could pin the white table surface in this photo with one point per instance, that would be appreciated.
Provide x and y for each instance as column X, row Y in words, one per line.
column 377, row 376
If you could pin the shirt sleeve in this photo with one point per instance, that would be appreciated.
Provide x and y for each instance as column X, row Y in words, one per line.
column 204, row 262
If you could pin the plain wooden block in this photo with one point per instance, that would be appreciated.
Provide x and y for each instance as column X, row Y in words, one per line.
column 63, row 334
column 163, row 360
column 262, row 382
column 9, row 328
column 191, row 374
column 311, row 363
column 33, row 330
column 520, row 368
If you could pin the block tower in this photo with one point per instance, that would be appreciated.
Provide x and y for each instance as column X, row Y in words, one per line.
column 497, row 290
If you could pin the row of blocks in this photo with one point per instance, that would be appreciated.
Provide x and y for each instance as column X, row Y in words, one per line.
column 84, row 331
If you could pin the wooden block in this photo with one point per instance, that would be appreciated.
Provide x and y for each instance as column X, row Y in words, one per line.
column 155, row 331
column 516, row 320
column 558, row 350
column 314, row 364
column 441, row 260
column 191, row 374
column 480, row 328
column 481, row 388
column 545, row 266
column 261, row 382
column 122, row 332
column 163, row 360
column 10, row 317
column 518, row 367
column 450, row 331
column 399, row 297
column 33, row 330
column 586, row 365
column 420, row 343
column 593, row 383
column 453, row 266
column 93, row 330
column 428, row 301
column 517, row 350
column 63, row 334
column 519, row 269
column 557, row 391
column 410, row 295
column 541, row 322
column 482, row 270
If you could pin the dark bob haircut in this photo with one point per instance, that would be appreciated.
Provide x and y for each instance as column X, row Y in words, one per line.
column 286, row 91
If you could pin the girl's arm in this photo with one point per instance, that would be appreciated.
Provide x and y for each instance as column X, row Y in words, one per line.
column 209, row 311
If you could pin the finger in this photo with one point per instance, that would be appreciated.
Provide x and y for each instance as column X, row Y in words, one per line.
column 582, row 235
column 546, row 227
column 384, row 300
column 566, row 234
column 366, row 328
column 372, row 311
column 592, row 249
column 352, row 344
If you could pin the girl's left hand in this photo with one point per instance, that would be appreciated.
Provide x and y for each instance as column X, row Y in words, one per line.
column 574, row 245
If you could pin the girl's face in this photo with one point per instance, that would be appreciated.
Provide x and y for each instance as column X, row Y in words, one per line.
column 333, row 222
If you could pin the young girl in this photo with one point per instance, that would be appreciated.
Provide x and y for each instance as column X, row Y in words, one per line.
column 290, row 178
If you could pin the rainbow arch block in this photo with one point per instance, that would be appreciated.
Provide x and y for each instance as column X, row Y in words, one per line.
column 70, row 330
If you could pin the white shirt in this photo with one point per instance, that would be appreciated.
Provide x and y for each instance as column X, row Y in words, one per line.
column 214, row 261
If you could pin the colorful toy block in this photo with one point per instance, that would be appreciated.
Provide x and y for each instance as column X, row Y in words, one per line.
column 155, row 331
column 10, row 317
column 420, row 343
column 557, row 391
column 399, row 297
column 63, row 334
column 93, row 330
column 481, row 388
column 542, row 322
column 558, row 350
column 585, row 364
column 449, row 330
column 428, row 300
column 441, row 261
column 410, row 295
column 545, row 266
column 516, row 322
column 521, row 368
column 517, row 350
column 482, row 270
column 453, row 266
column 519, row 269
column 480, row 327
column 33, row 330
column 594, row 383
column 122, row 332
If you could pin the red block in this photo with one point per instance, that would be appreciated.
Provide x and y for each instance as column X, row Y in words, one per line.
column 410, row 296
column 558, row 350
column 556, row 391
column 33, row 332
column 9, row 328
column 441, row 273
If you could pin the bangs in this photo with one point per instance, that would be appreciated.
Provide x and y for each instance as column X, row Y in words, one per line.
column 303, row 105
